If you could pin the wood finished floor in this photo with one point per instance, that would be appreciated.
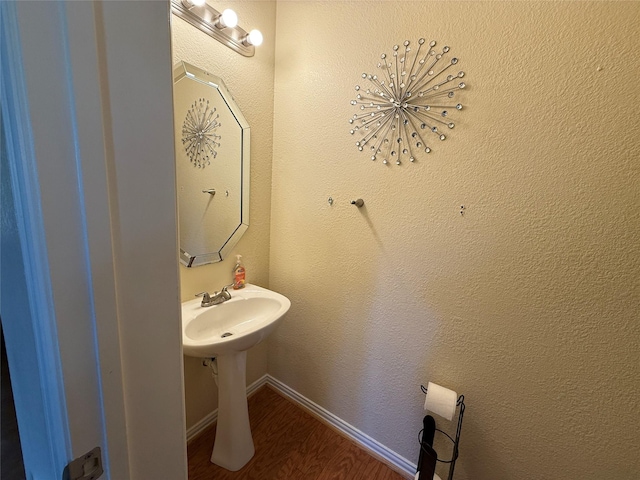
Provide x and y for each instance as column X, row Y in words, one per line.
column 290, row 444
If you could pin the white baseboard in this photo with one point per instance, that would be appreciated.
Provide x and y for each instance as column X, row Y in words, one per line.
column 199, row 427
column 375, row 448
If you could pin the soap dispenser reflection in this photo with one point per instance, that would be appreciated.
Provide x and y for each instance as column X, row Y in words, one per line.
column 239, row 274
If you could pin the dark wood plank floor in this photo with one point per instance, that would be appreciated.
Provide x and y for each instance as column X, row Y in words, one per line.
column 290, row 444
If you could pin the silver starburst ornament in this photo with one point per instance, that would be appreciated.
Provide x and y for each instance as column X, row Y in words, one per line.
column 199, row 136
column 408, row 103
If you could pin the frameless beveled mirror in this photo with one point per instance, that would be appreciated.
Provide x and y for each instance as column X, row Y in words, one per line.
column 212, row 166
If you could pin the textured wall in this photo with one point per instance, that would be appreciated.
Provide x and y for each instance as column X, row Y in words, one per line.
column 250, row 81
column 529, row 303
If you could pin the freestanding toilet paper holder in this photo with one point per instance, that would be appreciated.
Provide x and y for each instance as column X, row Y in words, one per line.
column 455, row 441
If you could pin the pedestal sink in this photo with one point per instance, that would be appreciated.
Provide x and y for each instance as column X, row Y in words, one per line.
column 226, row 331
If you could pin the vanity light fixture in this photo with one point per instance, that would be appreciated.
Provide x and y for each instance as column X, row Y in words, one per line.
column 227, row 19
column 221, row 26
column 253, row 38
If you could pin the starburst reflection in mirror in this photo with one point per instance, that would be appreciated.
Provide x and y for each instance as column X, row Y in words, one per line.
column 407, row 106
column 199, row 136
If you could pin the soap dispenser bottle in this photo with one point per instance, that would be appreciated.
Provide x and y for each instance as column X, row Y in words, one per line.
column 238, row 274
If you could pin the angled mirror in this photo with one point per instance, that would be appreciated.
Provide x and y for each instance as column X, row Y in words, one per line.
column 212, row 166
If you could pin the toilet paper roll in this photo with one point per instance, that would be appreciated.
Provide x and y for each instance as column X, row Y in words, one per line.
column 441, row 401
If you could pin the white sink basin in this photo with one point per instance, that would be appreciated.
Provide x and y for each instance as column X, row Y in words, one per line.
column 233, row 326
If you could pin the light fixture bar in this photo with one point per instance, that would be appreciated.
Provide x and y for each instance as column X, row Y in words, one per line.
column 204, row 18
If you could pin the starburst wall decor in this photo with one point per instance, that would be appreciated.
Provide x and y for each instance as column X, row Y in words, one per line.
column 408, row 103
column 199, row 135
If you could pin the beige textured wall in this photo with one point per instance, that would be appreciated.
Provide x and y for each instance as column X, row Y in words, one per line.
column 529, row 304
column 250, row 81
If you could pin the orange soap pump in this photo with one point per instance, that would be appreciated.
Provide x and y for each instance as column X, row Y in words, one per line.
column 239, row 274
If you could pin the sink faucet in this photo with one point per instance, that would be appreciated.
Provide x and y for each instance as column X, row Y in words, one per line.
column 215, row 299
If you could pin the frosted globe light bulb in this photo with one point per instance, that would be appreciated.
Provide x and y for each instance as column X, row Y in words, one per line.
column 228, row 18
column 255, row 38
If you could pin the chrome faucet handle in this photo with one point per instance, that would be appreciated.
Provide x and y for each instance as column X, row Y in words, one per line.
column 225, row 291
column 206, row 298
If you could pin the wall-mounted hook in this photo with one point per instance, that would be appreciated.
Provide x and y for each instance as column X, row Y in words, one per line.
column 330, row 200
column 211, row 191
column 358, row 203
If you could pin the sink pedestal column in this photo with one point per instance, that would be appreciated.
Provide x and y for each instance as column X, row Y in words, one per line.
column 233, row 447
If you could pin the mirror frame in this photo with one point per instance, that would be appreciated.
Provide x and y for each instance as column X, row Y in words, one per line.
column 180, row 71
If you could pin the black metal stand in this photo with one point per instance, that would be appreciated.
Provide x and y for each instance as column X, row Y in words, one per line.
column 455, row 441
